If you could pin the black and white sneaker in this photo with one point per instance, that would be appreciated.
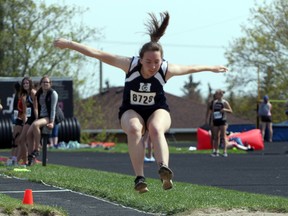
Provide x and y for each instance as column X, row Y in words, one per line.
column 166, row 176
column 32, row 158
column 215, row 154
column 140, row 184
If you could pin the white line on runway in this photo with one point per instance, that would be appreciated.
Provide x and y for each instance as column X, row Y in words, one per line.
column 35, row 191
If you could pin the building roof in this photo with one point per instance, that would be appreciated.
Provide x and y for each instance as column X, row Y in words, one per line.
column 185, row 113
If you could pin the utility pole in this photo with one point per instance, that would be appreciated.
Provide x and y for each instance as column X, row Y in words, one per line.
column 258, row 97
column 100, row 77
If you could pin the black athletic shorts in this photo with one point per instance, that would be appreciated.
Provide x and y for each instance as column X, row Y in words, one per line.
column 266, row 119
column 30, row 120
column 19, row 122
column 145, row 114
column 219, row 122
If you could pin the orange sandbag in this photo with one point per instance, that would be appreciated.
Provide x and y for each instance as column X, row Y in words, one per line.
column 102, row 144
column 252, row 137
column 203, row 139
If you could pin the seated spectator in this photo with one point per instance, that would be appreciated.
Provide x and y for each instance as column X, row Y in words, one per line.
column 47, row 114
column 236, row 142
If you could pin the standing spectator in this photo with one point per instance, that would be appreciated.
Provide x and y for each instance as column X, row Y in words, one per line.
column 18, row 119
column 144, row 104
column 209, row 118
column 219, row 108
column 266, row 117
column 28, row 98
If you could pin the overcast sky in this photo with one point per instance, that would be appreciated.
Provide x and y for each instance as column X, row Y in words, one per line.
column 198, row 33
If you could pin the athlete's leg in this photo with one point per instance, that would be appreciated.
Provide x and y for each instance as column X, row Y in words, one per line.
column 158, row 123
column 223, row 129
column 263, row 128
column 133, row 125
column 216, row 139
column 22, row 147
column 269, row 124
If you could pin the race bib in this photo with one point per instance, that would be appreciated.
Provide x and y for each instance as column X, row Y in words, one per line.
column 28, row 112
column 15, row 114
column 142, row 98
column 217, row 115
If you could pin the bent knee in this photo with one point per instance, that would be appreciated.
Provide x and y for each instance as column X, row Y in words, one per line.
column 134, row 129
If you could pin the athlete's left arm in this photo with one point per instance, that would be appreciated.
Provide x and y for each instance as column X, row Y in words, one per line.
column 177, row 70
column 227, row 107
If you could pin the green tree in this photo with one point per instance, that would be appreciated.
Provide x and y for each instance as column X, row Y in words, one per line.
column 27, row 32
column 190, row 90
column 264, row 47
column 258, row 61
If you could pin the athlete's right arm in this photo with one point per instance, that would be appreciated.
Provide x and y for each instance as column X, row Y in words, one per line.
column 108, row 58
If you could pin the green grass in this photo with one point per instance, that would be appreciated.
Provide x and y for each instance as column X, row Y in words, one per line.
column 118, row 188
column 183, row 198
column 174, row 148
column 10, row 206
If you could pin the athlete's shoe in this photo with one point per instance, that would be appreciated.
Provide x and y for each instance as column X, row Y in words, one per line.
column 32, row 158
column 215, row 154
column 151, row 159
column 140, row 184
column 166, row 176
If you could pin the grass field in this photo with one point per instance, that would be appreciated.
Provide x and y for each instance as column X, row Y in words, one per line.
column 183, row 199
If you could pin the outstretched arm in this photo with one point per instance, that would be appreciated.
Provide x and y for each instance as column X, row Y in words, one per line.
column 108, row 58
column 177, row 70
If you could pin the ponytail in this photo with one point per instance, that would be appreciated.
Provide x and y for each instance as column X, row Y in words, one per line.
column 155, row 30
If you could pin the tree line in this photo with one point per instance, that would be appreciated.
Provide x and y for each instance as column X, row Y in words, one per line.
column 258, row 61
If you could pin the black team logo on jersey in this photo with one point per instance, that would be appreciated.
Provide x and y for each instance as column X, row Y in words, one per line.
column 145, row 87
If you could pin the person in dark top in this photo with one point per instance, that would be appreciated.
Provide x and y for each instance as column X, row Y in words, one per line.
column 18, row 119
column 144, row 104
column 28, row 98
column 17, row 87
column 265, row 113
column 218, row 109
column 209, row 118
column 46, row 108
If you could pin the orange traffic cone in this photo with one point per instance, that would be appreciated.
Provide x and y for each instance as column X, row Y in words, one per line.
column 28, row 197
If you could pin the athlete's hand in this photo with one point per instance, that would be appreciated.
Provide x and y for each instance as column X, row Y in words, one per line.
column 219, row 68
column 62, row 43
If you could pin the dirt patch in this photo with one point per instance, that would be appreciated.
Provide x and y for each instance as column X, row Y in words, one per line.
column 234, row 212
column 18, row 212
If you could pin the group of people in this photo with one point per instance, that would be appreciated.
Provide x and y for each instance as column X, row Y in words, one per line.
column 144, row 106
column 217, row 121
column 33, row 109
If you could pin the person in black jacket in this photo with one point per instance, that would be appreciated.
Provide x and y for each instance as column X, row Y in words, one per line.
column 46, row 109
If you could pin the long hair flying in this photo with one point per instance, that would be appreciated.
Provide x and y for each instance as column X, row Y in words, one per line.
column 155, row 30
